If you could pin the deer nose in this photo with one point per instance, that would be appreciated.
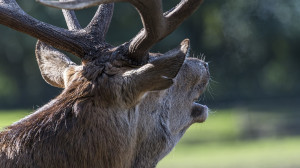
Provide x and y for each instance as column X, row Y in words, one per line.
column 206, row 65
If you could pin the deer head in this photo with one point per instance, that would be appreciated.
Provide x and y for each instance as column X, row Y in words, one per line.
column 123, row 106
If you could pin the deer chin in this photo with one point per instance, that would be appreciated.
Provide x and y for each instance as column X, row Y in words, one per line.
column 199, row 112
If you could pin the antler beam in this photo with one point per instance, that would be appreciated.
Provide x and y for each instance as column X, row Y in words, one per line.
column 11, row 15
column 101, row 21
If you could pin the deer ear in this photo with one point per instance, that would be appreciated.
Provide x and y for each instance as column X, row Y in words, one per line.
column 159, row 73
column 52, row 64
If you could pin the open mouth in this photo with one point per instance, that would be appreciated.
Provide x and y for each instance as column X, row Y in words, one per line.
column 199, row 111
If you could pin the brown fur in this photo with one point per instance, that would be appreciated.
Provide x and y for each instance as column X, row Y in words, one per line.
column 87, row 125
column 110, row 114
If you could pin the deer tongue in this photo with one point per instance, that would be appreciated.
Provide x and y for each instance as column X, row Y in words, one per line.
column 199, row 112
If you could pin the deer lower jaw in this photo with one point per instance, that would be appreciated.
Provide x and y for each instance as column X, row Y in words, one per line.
column 199, row 112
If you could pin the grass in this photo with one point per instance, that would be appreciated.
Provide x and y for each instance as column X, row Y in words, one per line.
column 266, row 153
column 9, row 117
column 223, row 141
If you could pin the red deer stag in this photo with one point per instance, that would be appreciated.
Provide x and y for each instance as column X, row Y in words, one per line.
column 123, row 107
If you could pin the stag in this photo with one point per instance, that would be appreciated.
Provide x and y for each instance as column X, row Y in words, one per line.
column 122, row 107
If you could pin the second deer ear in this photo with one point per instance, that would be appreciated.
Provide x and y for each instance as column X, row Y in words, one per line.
column 52, row 64
column 159, row 73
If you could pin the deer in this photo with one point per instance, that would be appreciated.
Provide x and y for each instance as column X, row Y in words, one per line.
column 123, row 106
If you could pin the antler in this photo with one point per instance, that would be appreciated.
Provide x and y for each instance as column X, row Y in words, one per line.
column 157, row 25
column 85, row 43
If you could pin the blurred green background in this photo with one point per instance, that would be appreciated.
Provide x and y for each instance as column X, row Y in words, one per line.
column 254, row 95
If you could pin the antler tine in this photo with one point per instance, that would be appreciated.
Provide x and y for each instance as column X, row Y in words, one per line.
column 182, row 11
column 71, row 19
column 154, row 23
column 158, row 26
column 101, row 21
